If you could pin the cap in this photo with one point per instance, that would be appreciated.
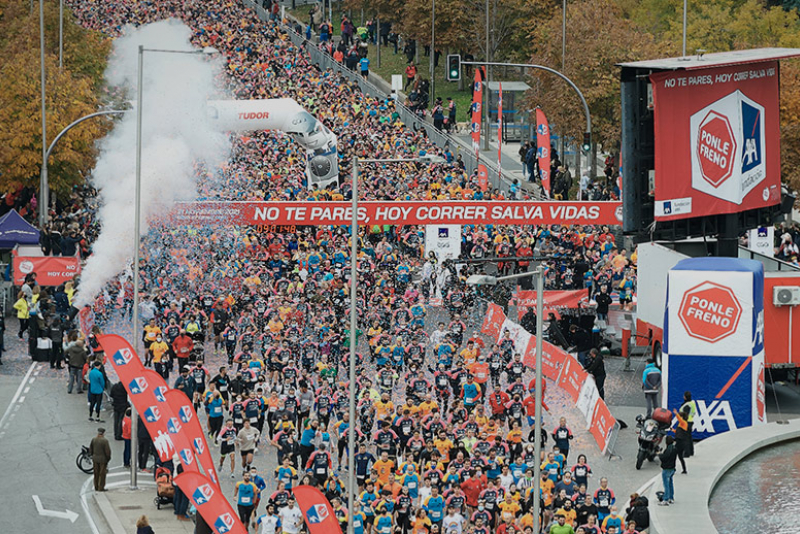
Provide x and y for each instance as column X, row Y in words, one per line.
column 101, row 430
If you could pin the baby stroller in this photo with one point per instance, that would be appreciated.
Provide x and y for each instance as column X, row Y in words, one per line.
column 165, row 490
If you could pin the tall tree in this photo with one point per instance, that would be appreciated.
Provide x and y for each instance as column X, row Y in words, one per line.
column 72, row 92
column 598, row 38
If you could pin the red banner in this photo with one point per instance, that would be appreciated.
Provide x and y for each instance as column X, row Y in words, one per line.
column 396, row 213
column 210, row 503
column 146, row 391
column 86, row 320
column 717, row 133
column 182, row 406
column 500, row 134
column 483, row 177
column 543, row 149
column 553, row 358
column 50, row 270
column 477, row 105
column 493, row 321
column 572, row 377
column 602, row 424
column 552, row 299
column 317, row 511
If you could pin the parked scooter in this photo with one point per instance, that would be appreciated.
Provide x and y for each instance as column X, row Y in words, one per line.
column 650, row 433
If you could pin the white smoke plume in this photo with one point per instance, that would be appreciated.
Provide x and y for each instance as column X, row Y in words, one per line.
column 176, row 134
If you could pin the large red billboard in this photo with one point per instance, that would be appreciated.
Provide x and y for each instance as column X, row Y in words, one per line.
column 717, row 136
column 50, row 270
column 397, row 213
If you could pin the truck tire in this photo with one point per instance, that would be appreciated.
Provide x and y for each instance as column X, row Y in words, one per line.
column 657, row 354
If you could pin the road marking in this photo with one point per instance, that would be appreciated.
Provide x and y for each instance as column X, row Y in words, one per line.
column 85, row 505
column 27, row 389
column 21, row 400
column 68, row 514
column 17, row 394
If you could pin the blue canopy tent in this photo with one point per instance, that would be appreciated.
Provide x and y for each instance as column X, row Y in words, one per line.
column 14, row 230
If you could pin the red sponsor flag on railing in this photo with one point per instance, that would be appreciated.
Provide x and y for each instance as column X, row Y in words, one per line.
column 543, row 150
column 483, row 177
column 477, row 104
column 317, row 511
column 500, row 134
column 193, row 431
column 210, row 503
column 493, row 321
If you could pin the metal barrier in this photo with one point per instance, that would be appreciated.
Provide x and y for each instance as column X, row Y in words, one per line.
column 408, row 117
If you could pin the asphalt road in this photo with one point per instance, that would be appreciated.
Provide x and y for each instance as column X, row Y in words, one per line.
column 39, row 440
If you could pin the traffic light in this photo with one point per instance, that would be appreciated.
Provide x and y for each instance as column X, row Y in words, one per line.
column 453, row 67
column 587, row 142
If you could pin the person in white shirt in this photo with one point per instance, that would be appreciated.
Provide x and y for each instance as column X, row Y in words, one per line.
column 291, row 518
column 506, row 478
column 269, row 523
column 453, row 522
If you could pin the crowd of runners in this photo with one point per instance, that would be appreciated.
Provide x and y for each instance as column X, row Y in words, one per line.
column 251, row 323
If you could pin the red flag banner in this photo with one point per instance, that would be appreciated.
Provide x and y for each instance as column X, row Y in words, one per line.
column 552, row 299
column 543, row 150
column 602, row 424
column 193, row 430
column 477, row 104
column 86, row 320
column 483, row 177
column 146, row 391
column 553, row 358
column 317, row 511
column 493, row 321
column 273, row 214
column 572, row 377
column 210, row 503
column 500, row 133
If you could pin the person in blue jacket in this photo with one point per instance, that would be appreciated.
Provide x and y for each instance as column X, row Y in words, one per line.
column 97, row 384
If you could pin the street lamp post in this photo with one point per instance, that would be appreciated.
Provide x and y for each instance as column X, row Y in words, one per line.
column 44, row 188
column 432, row 58
column 563, row 64
column 683, row 48
column 351, row 435
column 480, row 279
column 137, row 229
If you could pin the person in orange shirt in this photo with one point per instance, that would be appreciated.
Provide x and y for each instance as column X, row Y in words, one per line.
column 469, row 354
column 385, row 468
column 479, row 370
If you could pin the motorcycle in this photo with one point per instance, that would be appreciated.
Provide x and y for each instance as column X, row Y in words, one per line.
column 650, row 432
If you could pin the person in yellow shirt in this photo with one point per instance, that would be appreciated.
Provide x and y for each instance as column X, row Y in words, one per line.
column 150, row 333
column 385, row 468
column 427, row 405
column 384, row 407
column 509, row 508
column 469, row 354
column 159, row 352
column 23, row 314
column 443, row 444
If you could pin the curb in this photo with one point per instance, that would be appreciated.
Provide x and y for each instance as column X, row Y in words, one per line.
column 109, row 514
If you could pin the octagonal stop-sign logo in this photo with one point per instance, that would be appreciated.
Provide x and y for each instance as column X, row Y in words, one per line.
column 727, row 141
column 716, row 148
column 710, row 312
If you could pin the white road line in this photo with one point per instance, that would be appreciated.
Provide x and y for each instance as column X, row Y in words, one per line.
column 27, row 389
column 21, row 400
column 17, row 394
column 85, row 505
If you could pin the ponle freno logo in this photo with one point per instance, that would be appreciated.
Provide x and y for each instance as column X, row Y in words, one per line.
column 710, row 312
column 727, row 147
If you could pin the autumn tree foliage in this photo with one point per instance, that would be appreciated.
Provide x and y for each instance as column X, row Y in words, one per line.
column 72, row 92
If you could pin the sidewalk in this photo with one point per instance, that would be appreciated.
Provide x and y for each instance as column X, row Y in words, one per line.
column 121, row 507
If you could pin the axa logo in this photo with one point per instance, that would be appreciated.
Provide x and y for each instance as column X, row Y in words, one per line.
column 752, row 118
column 199, row 445
column 173, row 426
column 138, row 385
column 202, row 494
column 152, row 414
column 123, row 356
column 317, row 513
column 159, row 393
column 224, row 523
column 709, row 414
column 186, row 413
